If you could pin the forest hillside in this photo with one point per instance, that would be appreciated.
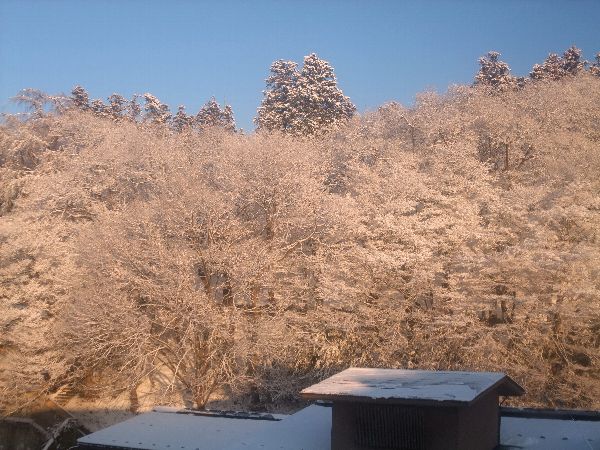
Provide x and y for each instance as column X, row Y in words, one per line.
column 460, row 233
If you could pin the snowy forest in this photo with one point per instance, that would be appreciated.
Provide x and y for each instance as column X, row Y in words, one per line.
column 148, row 249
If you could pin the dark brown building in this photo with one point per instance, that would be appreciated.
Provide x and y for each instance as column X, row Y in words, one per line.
column 395, row 409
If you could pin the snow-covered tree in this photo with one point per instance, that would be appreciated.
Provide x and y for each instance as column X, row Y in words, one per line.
column 572, row 62
column 304, row 102
column 134, row 110
column 117, row 106
column 494, row 73
column 390, row 242
column 99, row 108
column 228, row 119
column 550, row 69
column 212, row 115
column 34, row 100
column 278, row 110
column 556, row 67
column 80, row 98
column 595, row 67
column 181, row 121
column 156, row 112
column 322, row 103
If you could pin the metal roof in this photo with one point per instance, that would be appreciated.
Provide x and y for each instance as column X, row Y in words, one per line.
column 411, row 386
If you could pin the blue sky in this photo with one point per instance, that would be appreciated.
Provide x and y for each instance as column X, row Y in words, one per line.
column 184, row 52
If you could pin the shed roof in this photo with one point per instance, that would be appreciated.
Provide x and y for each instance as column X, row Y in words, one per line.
column 168, row 428
column 310, row 429
column 411, row 386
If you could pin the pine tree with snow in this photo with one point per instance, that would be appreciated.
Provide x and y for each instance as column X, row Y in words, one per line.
column 117, row 106
column 227, row 118
column 321, row 102
column 305, row 102
column 572, row 62
column 134, row 110
column 212, row 115
column 181, row 121
column 99, row 108
column 494, row 73
column 80, row 98
column 156, row 112
column 278, row 110
column 595, row 67
column 556, row 67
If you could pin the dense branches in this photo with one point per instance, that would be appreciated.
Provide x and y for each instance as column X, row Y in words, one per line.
column 461, row 233
column 409, row 239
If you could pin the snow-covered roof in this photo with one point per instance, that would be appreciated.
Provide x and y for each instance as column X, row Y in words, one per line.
column 549, row 434
column 411, row 386
column 167, row 429
column 310, row 429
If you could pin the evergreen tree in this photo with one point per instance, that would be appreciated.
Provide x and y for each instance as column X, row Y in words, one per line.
column 181, row 121
column 80, row 98
column 134, row 110
column 572, row 62
column 99, row 108
column 595, row 67
column 494, row 73
column 322, row 103
column 211, row 115
column 278, row 109
column 228, row 119
column 556, row 67
column 550, row 69
column 156, row 112
column 117, row 106
column 305, row 102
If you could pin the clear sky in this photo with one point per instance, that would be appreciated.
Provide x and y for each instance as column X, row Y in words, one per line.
column 184, row 52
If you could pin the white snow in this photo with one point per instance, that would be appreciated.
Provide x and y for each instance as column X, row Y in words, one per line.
column 310, row 429
column 549, row 434
column 398, row 384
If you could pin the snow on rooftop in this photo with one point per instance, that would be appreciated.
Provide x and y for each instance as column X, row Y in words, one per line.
column 549, row 434
column 166, row 429
column 309, row 429
column 408, row 386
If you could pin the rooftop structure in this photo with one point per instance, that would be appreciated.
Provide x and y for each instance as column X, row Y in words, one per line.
column 414, row 409
column 171, row 429
column 411, row 387
column 376, row 409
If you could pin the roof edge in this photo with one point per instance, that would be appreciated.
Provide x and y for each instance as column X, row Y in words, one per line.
column 507, row 387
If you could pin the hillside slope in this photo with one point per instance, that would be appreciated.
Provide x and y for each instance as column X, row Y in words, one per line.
column 462, row 233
